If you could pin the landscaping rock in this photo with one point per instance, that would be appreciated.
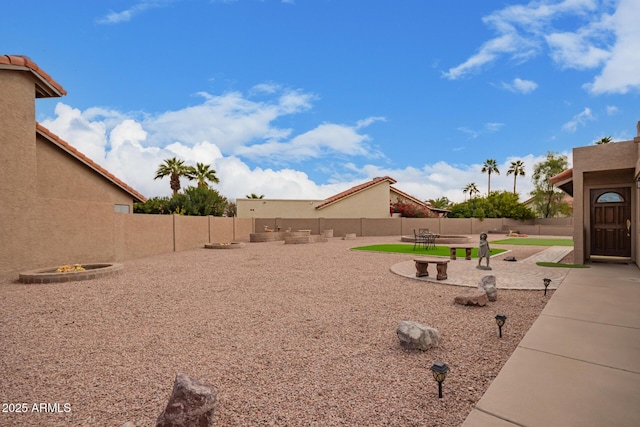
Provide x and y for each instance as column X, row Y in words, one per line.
column 488, row 284
column 476, row 297
column 192, row 403
column 414, row 336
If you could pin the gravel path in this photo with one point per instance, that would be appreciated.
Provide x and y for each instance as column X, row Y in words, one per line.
column 290, row 335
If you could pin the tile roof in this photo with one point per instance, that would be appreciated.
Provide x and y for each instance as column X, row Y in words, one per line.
column 46, row 87
column 46, row 133
column 562, row 176
column 354, row 190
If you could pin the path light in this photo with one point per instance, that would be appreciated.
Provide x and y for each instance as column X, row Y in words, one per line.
column 547, row 282
column 500, row 319
column 439, row 371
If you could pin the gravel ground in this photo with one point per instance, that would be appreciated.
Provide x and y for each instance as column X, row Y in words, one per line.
column 290, row 335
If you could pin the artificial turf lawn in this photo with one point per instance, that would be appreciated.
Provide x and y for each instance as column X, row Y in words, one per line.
column 420, row 250
column 557, row 264
column 533, row 241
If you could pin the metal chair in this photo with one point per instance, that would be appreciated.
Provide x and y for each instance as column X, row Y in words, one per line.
column 430, row 241
column 419, row 239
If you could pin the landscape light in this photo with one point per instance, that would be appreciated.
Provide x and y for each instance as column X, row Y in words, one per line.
column 547, row 282
column 500, row 319
column 439, row 371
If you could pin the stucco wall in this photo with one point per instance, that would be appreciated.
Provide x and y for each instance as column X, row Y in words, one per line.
column 144, row 235
column 405, row 226
column 17, row 163
column 597, row 166
column 61, row 176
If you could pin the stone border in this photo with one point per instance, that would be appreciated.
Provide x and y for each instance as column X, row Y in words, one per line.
column 222, row 245
column 50, row 275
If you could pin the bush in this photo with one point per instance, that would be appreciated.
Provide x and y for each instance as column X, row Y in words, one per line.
column 499, row 204
column 410, row 210
column 196, row 201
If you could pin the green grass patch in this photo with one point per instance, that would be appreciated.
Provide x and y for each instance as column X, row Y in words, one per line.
column 557, row 264
column 533, row 241
column 408, row 249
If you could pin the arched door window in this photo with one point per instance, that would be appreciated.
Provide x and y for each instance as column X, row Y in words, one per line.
column 610, row 197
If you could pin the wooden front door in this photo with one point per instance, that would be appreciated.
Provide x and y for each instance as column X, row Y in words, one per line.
column 611, row 222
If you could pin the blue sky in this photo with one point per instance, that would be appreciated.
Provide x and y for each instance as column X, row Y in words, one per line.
column 305, row 98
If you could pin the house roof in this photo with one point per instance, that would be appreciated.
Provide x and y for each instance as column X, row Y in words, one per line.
column 354, row 190
column 46, row 87
column 53, row 138
column 564, row 181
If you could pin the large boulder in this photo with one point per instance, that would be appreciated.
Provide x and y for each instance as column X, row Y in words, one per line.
column 476, row 297
column 488, row 284
column 414, row 336
column 192, row 403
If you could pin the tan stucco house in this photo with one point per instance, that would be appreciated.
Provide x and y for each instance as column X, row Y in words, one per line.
column 368, row 200
column 605, row 185
column 54, row 201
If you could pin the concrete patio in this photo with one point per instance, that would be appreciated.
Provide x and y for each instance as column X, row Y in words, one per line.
column 579, row 364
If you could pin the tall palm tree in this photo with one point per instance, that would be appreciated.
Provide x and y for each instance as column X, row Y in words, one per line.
column 472, row 189
column 489, row 167
column 517, row 169
column 175, row 169
column 202, row 173
column 254, row 196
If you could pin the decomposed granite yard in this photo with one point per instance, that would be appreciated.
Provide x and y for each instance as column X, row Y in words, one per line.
column 290, row 335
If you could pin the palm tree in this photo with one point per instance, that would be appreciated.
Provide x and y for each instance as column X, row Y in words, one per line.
column 472, row 189
column 517, row 169
column 605, row 140
column 254, row 196
column 489, row 167
column 202, row 173
column 441, row 202
column 175, row 169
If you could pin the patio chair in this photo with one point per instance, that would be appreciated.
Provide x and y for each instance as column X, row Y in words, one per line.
column 419, row 239
column 430, row 241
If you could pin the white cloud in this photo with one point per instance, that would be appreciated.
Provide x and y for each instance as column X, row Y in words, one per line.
column 519, row 85
column 493, row 127
column 621, row 73
column 579, row 34
column 128, row 14
column 489, row 127
column 612, row 110
column 220, row 131
column 122, row 145
column 579, row 119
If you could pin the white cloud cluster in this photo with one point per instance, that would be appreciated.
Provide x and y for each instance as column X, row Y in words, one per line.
column 607, row 35
column 127, row 14
column 519, row 85
column 229, row 130
column 220, row 131
column 579, row 119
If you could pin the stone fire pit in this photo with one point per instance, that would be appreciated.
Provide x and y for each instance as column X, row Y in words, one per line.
column 88, row 272
column 224, row 245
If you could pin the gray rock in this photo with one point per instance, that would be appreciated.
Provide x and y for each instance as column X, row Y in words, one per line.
column 414, row 336
column 476, row 297
column 488, row 284
column 192, row 403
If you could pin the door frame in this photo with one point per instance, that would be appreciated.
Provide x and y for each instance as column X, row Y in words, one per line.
column 628, row 193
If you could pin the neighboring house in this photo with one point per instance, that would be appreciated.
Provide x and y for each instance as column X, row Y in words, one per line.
column 53, row 199
column 605, row 185
column 368, row 200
